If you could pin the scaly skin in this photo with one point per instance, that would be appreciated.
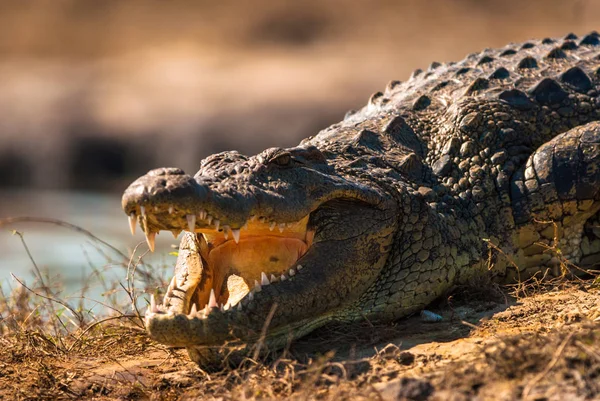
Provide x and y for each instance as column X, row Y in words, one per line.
column 403, row 198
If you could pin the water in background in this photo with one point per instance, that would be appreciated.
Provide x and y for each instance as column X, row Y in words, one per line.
column 71, row 258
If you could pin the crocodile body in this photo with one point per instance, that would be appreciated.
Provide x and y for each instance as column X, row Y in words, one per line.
column 490, row 161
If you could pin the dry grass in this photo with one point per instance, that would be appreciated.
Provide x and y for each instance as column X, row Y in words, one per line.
column 540, row 342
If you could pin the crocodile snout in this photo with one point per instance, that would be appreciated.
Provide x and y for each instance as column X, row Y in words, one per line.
column 160, row 188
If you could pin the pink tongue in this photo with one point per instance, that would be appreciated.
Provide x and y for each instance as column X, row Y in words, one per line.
column 252, row 256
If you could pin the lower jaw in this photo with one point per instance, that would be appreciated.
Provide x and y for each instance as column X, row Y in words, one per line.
column 232, row 353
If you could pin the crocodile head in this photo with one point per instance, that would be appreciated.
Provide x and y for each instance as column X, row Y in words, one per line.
column 282, row 239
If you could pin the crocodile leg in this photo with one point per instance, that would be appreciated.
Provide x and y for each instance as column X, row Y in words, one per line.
column 554, row 195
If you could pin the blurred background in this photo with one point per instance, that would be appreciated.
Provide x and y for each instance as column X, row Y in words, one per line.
column 95, row 93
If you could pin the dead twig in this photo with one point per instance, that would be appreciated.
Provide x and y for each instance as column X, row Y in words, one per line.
column 263, row 332
column 90, row 327
column 50, row 298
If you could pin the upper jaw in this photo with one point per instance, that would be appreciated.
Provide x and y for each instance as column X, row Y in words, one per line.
column 169, row 199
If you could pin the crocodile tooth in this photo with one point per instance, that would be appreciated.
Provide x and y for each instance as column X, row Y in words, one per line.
column 226, row 230
column 191, row 220
column 273, row 278
column 179, row 281
column 264, row 280
column 252, row 218
column 143, row 211
column 212, row 300
column 245, row 226
column 272, row 226
column 283, row 277
column 251, row 296
column 150, row 239
column 290, row 224
column 172, row 284
column 202, row 214
column 171, row 209
column 262, row 220
column 145, row 224
column 239, row 306
column 236, row 235
column 299, row 267
column 217, row 224
column 209, row 219
column 292, row 272
column 227, row 306
column 153, row 307
column 257, row 286
column 132, row 223
column 193, row 310
column 281, row 227
column 206, row 311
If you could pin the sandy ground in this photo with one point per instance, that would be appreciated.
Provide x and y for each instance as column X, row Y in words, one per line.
column 543, row 346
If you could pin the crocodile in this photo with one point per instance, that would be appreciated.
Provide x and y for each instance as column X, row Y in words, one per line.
column 489, row 165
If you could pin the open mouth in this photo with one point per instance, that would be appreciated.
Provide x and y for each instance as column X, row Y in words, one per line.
column 235, row 263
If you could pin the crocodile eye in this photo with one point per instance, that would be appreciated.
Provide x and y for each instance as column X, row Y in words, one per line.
column 283, row 159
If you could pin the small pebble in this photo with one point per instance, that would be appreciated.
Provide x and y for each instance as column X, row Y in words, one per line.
column 430, row 317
